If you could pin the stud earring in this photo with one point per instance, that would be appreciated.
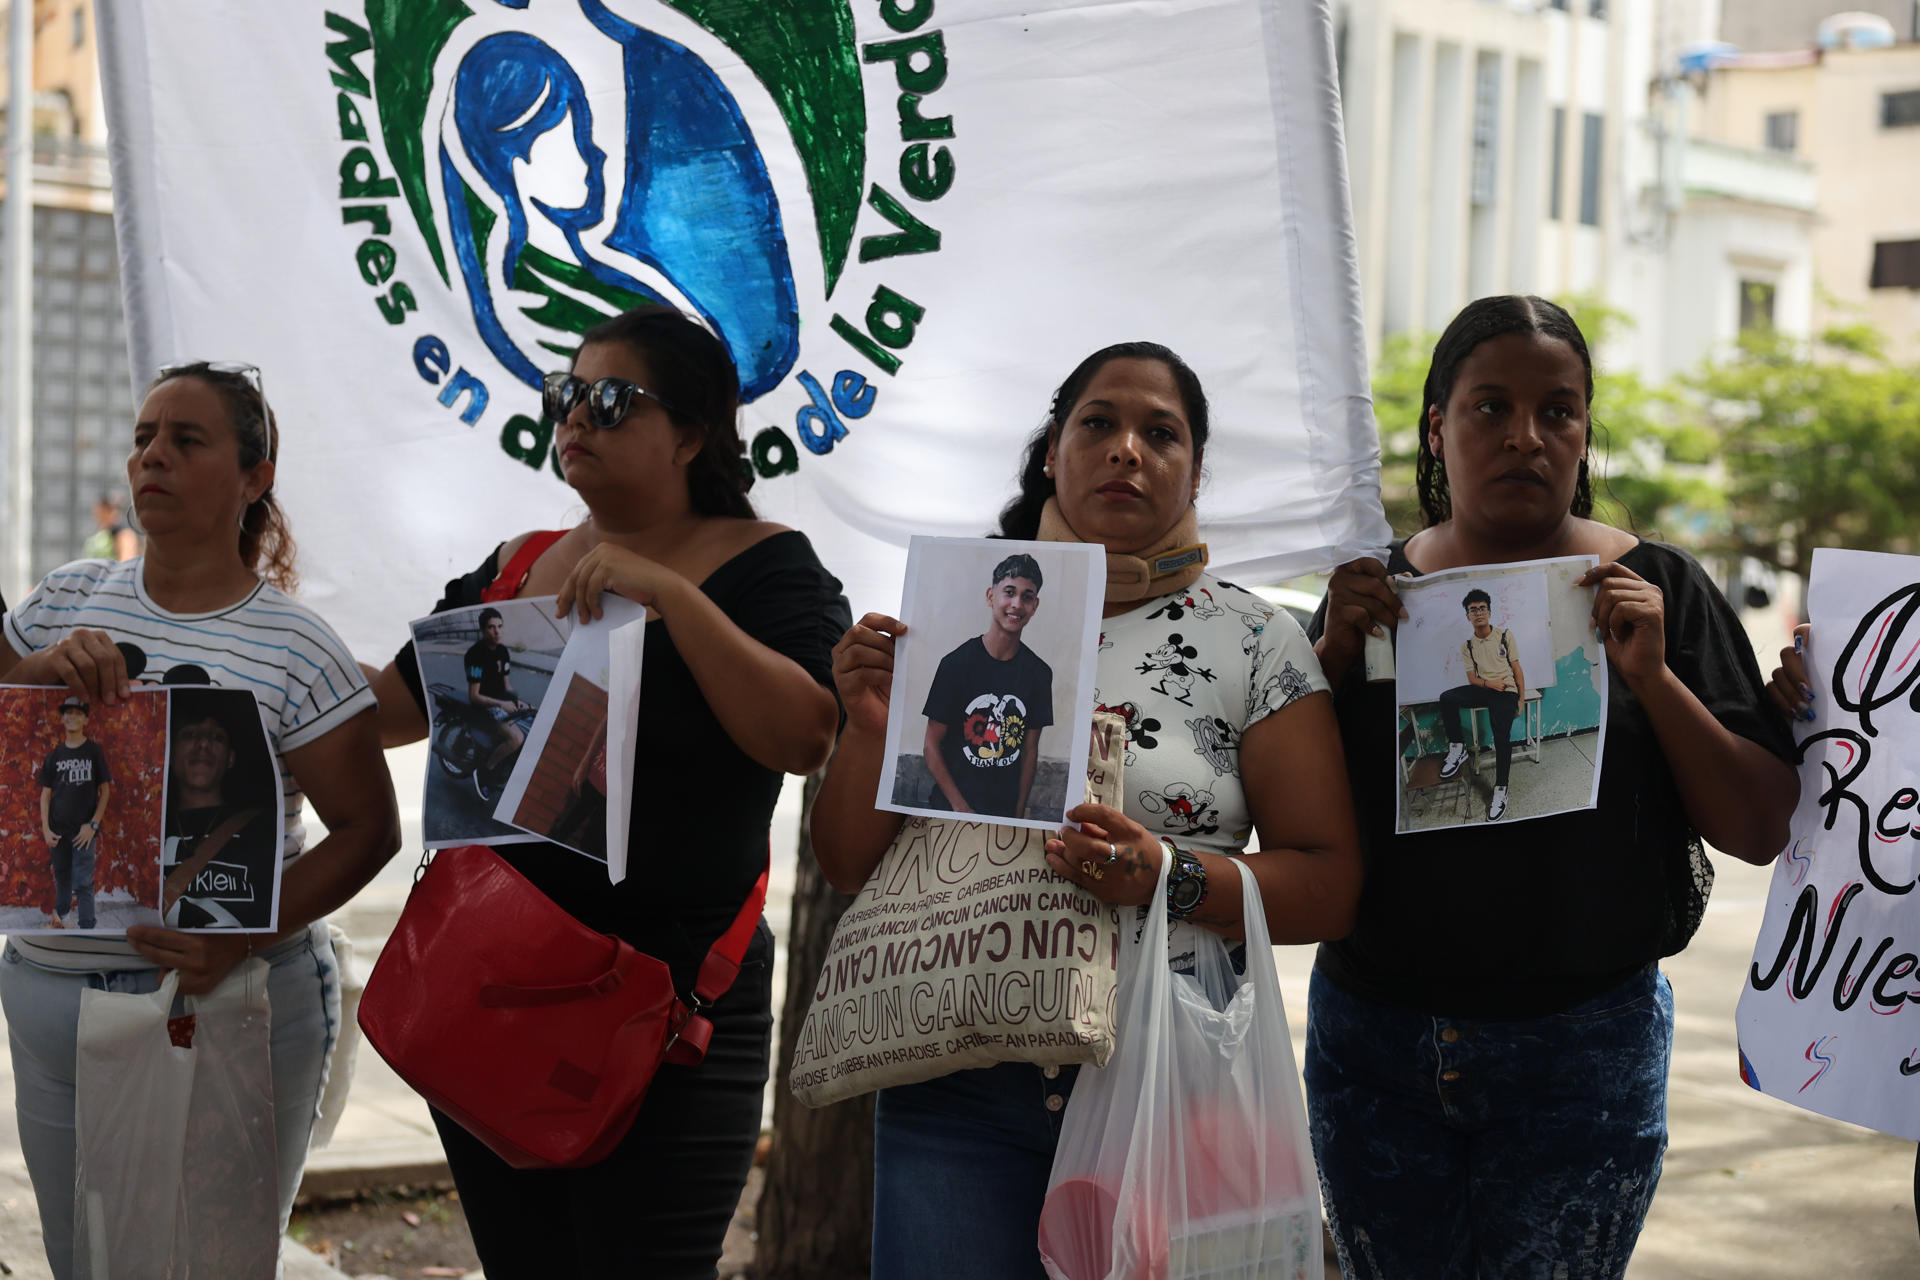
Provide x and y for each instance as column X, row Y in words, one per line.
column 1047, row 470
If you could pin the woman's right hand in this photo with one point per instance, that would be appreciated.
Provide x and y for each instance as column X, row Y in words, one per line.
column 863, row 671
column 1789, row 690
column 87, row 662
column 1359, row 604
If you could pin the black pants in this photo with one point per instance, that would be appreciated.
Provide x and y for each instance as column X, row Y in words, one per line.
column 658, row 1206
column 73, row 878
column 1501, row 704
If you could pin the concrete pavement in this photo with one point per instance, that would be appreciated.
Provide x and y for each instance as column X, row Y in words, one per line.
column 1753, row 1189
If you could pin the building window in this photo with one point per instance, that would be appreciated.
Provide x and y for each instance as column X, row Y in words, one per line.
column 1486, row 131
column 1899, row 109
column 1896, row 265
column 1561, row 5
column 1783, row 131
column 1558, row 159
column 79, row 25
column 1590, row 170
column 1756, row 305
column 1597, row 10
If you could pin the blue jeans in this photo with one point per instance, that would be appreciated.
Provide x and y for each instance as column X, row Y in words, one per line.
column 73, row 878
column 1459, row 1149
column 960, row 1166
column 43, row 1023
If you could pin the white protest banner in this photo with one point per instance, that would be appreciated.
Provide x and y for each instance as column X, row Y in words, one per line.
column 907, row 221
column 1824, row 1021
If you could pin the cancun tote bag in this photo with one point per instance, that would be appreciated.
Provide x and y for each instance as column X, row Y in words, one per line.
column 964, row 949
column 1186, row 1156
column 174, row 1134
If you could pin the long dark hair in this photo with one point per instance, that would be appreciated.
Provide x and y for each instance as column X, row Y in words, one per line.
column 692, row 372
column 1479, row 321
column 1020, row 518
column 266, row 539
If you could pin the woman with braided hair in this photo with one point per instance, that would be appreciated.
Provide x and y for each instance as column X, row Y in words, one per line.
column 1487, row 1051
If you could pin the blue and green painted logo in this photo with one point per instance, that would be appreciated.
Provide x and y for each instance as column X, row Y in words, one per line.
column 546, row 209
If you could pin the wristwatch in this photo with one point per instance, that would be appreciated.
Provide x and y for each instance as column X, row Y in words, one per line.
column 1186, row 882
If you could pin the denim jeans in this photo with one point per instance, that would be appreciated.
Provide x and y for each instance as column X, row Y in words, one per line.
column 960, row 1166
column 73, row 878
column 43, row 1022
column 1458, row 1149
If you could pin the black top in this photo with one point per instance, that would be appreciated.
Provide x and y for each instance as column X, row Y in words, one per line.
column 990, row 707
column 235, row 889
column 1524, row 919
column 74, row 775
column 701, row 806
column 488, row 666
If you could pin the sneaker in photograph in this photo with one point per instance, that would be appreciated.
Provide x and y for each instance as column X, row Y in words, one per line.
column 1497, row 807
column 1456, row 756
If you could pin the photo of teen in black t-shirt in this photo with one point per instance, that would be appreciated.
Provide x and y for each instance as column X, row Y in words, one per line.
column 991, row 698
column 75, row 787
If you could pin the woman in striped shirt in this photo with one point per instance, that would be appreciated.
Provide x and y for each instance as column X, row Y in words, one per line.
column 207, row 604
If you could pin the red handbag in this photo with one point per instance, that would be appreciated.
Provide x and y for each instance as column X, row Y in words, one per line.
column 537, row 1034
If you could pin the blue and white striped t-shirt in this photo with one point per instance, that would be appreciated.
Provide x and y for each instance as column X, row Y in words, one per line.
column 306, row 682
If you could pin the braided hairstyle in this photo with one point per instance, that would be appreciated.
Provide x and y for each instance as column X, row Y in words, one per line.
column 1478, row 322
column 691, row 370
column 1020, row 518
column 266, row 539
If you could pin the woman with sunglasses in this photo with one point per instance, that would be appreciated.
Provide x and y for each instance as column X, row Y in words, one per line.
column 736, row 691
column 206, row 603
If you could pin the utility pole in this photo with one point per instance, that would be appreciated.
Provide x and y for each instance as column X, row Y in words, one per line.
column 16, row 543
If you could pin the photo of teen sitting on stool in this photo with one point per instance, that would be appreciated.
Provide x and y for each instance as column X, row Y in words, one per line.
column 1496, row 681
column 1498, row 666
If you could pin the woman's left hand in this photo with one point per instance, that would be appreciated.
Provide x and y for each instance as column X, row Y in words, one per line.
column 1630, row 614
column 615, row 569
column 1111, row 856
column 203, row 959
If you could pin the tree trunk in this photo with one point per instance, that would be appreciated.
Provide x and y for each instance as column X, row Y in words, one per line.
column 815, row 1217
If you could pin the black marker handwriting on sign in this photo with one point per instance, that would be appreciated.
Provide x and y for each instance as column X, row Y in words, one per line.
column 1891, row 824
column 1807, row 970
column 1883, row 630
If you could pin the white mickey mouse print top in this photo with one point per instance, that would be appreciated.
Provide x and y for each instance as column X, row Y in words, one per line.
column 1190, row 673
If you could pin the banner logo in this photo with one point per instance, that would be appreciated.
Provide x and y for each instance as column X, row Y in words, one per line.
column 561, row 163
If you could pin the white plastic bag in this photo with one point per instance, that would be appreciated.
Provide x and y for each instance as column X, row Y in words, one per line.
column 176, row 1176
column 1187, row 1155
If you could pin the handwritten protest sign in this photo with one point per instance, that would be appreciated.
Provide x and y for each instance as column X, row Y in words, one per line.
column 1824, row 1021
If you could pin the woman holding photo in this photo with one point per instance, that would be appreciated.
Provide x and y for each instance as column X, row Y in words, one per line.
column 735, row 692
column 1487, row 1051
column 1243, row 719
column 208, row 596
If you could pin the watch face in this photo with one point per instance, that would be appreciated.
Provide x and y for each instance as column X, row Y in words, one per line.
column 1186, row 894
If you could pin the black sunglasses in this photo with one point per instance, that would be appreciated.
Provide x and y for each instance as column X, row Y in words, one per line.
column 608, row 399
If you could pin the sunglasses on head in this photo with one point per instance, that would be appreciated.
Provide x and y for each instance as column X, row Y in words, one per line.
column 607, row 399
column 237, row 368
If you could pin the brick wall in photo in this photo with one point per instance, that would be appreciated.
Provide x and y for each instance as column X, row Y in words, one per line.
column 581, row 712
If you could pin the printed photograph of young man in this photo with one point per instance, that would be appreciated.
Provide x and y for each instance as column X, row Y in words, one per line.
column 1496, row 681
column 991, row 699
column 222, row 828
column 76, row 785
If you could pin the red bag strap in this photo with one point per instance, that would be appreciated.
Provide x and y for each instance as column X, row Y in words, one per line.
column 514, row 576
column 722, row 964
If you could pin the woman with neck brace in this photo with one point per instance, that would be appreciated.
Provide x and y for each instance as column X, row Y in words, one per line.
column 1232, row 751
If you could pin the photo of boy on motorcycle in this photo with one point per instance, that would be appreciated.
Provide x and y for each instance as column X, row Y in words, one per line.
column 489, row 664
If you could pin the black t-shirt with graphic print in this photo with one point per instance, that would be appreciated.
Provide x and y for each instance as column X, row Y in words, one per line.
column 74, row 775
column 488, row 664
column 991, row 708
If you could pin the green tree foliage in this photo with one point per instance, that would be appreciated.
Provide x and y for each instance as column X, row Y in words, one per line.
column 1819, row 442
